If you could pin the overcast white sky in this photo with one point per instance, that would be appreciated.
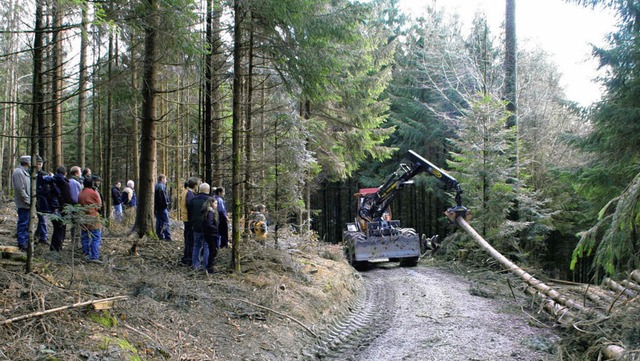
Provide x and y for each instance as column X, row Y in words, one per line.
column 563, row 30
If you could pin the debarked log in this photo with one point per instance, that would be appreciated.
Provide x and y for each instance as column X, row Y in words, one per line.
column 528, row 278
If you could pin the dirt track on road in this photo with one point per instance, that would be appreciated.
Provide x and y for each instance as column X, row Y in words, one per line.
column 427, row 313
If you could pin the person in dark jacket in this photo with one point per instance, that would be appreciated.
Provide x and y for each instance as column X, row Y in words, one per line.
column 44, row 196
column 116, row 198
column 223, row 225
column 187, row 195
column 161, row 208
column 59, row 226
column 210, row 221
column 195, row 218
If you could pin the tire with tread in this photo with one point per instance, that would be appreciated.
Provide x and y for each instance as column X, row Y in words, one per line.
column 350, row 240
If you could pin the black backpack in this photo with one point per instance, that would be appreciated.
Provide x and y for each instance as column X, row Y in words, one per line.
column 48, row 194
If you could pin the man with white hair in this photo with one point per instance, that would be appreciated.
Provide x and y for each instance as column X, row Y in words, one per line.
column 21, row 179
column 194, row 208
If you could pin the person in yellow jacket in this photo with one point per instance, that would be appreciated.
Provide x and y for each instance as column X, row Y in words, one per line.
column 258, row 224
column 187, row 195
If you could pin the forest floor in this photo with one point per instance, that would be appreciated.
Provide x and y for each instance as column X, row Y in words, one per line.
column 292, row 302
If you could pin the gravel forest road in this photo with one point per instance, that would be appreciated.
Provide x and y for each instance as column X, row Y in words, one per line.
column 427, row 313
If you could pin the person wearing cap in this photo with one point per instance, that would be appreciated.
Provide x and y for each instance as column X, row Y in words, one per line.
column 21, row 180
column 91, row 225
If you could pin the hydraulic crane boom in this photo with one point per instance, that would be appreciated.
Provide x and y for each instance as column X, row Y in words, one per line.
column 374, row 205
column 375, row 236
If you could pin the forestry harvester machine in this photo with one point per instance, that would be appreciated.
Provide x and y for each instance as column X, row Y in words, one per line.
column 375, row 236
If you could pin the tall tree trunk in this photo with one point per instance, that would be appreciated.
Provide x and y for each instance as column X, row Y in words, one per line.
column 511, row 75
column 37, row 115
column 249, row 178
column 236, row 176
column 208, row 104
column 216, row 94
column 107, row 156
column 82, row 86
column 144, row 219
column 135, row 147
column 11, row 94
column 56, row 95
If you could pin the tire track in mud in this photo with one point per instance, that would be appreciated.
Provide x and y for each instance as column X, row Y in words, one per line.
column 370, row 316
column 429, row 314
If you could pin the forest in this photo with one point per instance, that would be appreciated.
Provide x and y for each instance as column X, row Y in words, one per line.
column 298, row 103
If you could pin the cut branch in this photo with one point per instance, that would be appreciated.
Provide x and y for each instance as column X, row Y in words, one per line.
column 45, row 312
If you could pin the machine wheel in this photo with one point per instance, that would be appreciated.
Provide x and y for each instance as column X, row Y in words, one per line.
column 409, row 262
column 358, row 265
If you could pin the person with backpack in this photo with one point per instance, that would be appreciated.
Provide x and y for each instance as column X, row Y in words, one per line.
column 195, row 218
column 59, row 226
column 258, row 223
column 210, row 221
column 161, row 208
column 129, row 200
column 223, row 224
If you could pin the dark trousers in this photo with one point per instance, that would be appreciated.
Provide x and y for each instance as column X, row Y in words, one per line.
column 223, row 228
column 212, row 243
column 59, row 229
column 188, row 243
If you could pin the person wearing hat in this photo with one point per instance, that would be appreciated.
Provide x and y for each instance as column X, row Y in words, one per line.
column 21, row 180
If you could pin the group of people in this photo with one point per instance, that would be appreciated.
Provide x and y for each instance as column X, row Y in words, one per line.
column 203, row 211
column 123, row 199
column 206, row 224
column 53, row 193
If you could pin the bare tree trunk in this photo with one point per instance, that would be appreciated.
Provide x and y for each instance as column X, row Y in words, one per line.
column 11, row 94
column 208, row 106
column 135, row 148
column 216, row 94
column 82, row 87
column 511, row 76
column 236, row 140
column 37, row 115
column 56, row 82
column 144, row 219
column 249, row 178
column 107, row 139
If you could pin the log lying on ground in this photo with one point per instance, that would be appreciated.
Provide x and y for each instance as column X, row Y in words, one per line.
column 560, row 313
column 635, row 276
column 75, row 305
column 556, row 305
column 631, row 285
column 618, row 288
column 532, row 281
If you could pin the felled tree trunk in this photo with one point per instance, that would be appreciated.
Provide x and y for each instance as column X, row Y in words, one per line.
column 532, row 281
